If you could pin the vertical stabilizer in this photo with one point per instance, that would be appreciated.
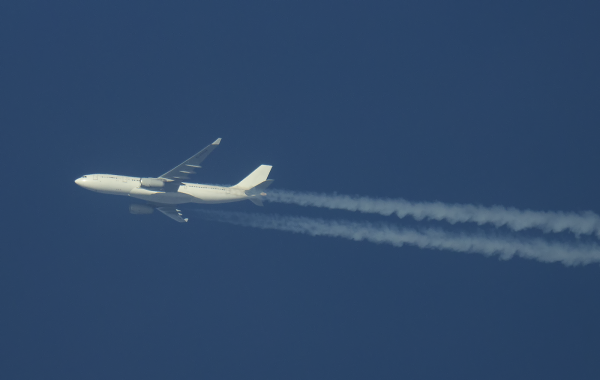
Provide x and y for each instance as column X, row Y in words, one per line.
column 258, row 176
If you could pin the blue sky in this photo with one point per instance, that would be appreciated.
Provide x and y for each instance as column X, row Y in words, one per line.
column 491, row 103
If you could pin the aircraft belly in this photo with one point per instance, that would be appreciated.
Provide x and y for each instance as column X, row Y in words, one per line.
column 213, row 196
column 170, row 197
column 220, row 200
column 113, row 188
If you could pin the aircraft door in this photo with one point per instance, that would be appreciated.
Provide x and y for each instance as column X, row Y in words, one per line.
column 95, row 177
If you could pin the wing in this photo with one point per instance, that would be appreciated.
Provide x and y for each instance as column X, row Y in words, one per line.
column 172, row 213
column 187, row 167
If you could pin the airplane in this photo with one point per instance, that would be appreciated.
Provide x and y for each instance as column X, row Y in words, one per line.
column 163, row 193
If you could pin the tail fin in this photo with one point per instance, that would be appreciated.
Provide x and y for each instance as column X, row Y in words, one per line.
column 258, row 176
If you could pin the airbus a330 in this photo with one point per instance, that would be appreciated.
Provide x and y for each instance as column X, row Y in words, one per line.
column 163, row 193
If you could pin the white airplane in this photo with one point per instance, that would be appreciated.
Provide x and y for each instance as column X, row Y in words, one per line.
column 168, row 190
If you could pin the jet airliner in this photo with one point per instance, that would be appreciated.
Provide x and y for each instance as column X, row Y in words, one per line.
column 170, row 189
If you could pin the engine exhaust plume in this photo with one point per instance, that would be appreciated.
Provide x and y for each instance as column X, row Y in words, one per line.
column 514, row 219
column 488, row 245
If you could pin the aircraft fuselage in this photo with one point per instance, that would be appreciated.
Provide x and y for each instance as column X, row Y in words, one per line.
column 176, row 193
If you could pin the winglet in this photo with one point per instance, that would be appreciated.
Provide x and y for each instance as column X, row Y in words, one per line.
column 217, row 141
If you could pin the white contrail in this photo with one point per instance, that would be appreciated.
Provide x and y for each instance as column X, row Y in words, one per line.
column 517, row 220
column 538, row 249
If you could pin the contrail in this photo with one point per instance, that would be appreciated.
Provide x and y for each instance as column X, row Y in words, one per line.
column 505, row 247
column 548, row 221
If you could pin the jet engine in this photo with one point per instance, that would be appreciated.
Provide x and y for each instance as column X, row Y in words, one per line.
column 152, row 182
column 140, row 209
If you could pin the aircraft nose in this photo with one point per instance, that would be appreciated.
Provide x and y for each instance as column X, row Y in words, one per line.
column 79, row 181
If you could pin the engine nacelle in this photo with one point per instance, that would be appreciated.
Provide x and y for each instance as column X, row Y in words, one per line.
column 152, row 182
column 140, row 209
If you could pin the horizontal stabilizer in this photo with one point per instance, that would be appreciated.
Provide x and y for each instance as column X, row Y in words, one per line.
column 256, row 201
column 258, row 189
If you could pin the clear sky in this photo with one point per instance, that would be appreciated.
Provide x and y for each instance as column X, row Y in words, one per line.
column 471, row 102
